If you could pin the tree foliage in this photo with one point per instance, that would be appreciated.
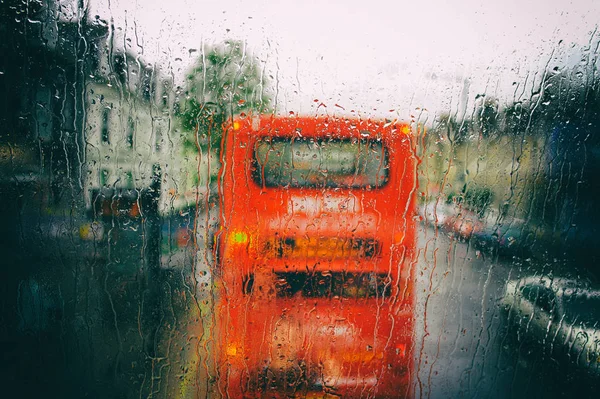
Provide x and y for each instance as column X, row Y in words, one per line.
column 486, row 119
column 225, row 81
column 452, row 129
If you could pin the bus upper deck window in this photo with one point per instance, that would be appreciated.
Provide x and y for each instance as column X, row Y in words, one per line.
column 331, row 163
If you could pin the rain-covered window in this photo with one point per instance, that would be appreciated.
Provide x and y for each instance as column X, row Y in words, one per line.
column 310, row 163
column 224, row 199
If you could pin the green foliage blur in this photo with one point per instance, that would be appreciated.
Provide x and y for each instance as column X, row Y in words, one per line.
column 473, row 197
column 227, row 80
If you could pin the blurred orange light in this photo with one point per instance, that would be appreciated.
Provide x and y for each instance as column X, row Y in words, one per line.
column 135, row 210
column 232, row 350
column 399, row 237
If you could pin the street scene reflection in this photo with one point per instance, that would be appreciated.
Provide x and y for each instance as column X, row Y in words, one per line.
column 202, row 203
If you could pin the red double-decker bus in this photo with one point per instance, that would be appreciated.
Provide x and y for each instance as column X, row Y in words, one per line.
column 315, row 254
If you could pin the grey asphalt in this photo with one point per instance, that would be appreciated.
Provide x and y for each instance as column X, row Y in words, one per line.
column 464, row 345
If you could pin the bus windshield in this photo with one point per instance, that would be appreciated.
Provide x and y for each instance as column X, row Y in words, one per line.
column 320, row 163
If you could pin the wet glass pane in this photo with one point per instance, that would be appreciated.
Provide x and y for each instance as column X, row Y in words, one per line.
column 299, row 200
column 306, row 163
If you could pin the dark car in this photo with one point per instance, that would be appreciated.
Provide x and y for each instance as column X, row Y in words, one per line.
column 558, row 317
column 177, row 239
column 505, row 237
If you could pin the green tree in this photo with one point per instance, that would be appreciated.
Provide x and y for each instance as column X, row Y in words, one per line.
column 486, row 117
column 454, row 130
column 225, row 81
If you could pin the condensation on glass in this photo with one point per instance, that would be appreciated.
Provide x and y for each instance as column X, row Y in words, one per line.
column 200, row 201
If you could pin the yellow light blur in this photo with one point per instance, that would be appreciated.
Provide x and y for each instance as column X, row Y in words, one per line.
column 236, row 125
column 405, row 129
column 322, row 247
column 232, row 350
column 84, row 231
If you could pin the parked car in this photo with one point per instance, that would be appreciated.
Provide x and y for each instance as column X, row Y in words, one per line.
column 558, row 317
column 177, row 239
column 60, row 234
column 450, row 217
column 465, row 224
column 507, row 236
column 437, row 213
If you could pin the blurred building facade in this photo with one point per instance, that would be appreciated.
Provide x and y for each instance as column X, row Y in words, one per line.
column 132, row 137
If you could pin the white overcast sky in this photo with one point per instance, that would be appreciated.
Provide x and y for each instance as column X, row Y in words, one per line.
column 371, row 56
